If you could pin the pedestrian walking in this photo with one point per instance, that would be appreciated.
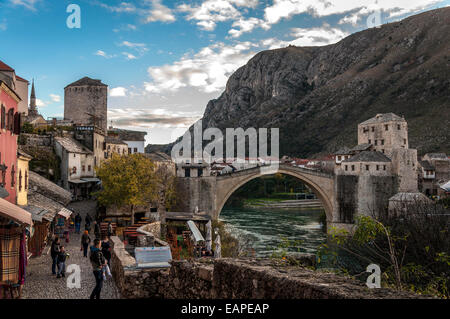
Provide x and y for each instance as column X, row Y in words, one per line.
column 85, row 241
column 98, row 261
column 78, row 220
column 97, row 231
column 106, row 250
column 87, row 221
column 54, row 251
column 61, row 259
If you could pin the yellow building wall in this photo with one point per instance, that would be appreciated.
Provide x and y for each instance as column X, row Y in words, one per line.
column 21, row 173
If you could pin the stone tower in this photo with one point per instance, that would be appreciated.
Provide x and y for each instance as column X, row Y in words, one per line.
column 85, row 102
column 33, row 109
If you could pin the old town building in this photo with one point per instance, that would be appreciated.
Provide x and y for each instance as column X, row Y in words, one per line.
column 434, row 172
column 85, row 103
column 114, row 145
column 77, row 167
column 134, row 139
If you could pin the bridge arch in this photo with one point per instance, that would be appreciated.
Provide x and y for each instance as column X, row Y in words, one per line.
column 321, row 184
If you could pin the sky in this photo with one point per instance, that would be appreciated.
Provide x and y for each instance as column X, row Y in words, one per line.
column 164, row 60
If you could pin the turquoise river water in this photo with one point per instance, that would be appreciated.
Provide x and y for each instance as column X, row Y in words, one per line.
column 265, row 228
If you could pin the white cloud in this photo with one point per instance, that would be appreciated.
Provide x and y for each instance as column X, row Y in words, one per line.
column 317, row 36
column 129, row 56
column 209, row 12
column 208, row 70
column 104, row 54
column 29, row 4
column 159, row 12
column 122, row 7
column 285, row 9
column 118, row 91
column 40, row 103
column 126, row 27
column 242, row 26
column 55, row 98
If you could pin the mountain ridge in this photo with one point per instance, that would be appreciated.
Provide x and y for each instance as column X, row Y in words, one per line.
column 318, row 95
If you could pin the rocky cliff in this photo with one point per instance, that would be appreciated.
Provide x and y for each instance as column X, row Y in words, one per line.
column 318, row 95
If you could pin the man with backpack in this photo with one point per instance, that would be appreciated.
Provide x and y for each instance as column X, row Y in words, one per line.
column 98, row 261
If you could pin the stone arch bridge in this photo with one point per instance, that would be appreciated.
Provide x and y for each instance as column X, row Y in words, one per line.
column 210, row 193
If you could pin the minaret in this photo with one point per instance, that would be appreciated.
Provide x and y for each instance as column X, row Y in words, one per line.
column 33, row 110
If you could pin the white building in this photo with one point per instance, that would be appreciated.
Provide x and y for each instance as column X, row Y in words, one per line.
column 134, row 139
column 77, row 167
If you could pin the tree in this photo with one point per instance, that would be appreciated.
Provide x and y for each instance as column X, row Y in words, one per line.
column 127, row 181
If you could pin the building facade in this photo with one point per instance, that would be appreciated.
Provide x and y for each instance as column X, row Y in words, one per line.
column 134, row 139
column 85, row 103
column 77, row 167
column 23, row 160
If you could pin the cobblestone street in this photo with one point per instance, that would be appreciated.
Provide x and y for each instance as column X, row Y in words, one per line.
column 41, row 284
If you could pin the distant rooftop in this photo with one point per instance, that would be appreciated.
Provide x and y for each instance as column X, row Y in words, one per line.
column 438, row 156
column 127, row 135
column 426, row 165
column 114, row 140
column 5, row 67
column 369, row 156
column 158, row 156
column 72, row 145
column 343, row 151
column 383, row 117
column 361, row 147
column 87, row 81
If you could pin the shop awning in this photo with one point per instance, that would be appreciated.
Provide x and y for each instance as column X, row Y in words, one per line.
column 15, row 213
column 90, row 179
column 78, row 181
column 195, row 232
column 65, row 213
column 39, row 214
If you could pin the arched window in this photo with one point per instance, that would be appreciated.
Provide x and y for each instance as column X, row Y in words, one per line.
column 13, row 176
column 20, row 180
column 74, row 170
column 26, row 180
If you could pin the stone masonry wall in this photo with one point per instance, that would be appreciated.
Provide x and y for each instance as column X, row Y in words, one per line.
column 234, row 278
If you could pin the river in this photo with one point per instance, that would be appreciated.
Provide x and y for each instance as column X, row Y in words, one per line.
column 265, row 228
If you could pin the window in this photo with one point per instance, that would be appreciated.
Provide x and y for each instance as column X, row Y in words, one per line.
column 382, row 151
column 370, row 141
column 135, row 150
column 339, row 157
column 89, row 168
column 384, row 167
column 13, row 176
column 386, row 127
column 200, row 172
column 3, row 117
column 26, row 179
column 367, row 167
column 74, row 155
column 378, row 167
column 353, row 167
column 187, row 172
column 404, row 141
column 346, row 167
column 373, row 128
column 74, row 170
column 20, row 180
column 83, row 168
column 129, row 150
column 376, row 142
column 382, row 142
column 398, row 127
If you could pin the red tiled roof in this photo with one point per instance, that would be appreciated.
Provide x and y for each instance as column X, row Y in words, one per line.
column 5, row 67
column 21, row 79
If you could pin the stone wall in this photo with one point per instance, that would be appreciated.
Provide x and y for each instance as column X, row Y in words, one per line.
column 37, row 140
column 236, row 279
